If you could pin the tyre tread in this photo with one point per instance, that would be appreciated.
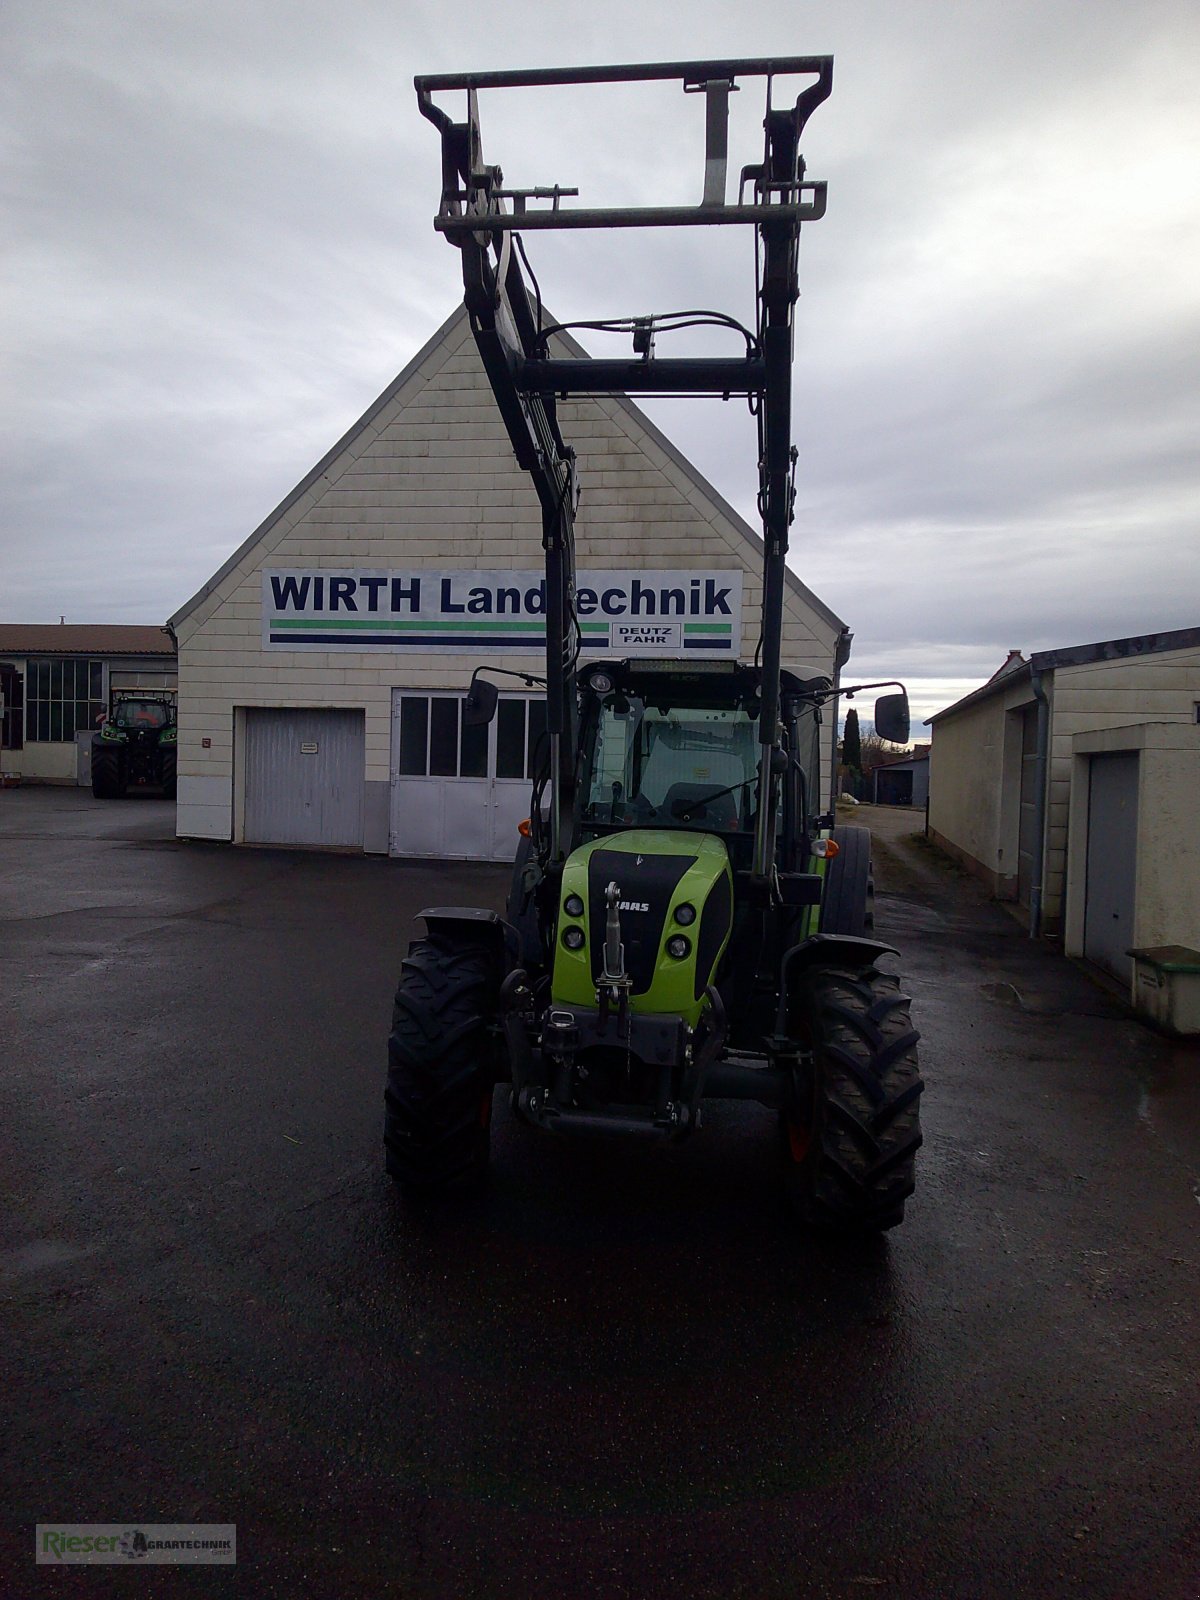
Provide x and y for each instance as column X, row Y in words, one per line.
column 859, row 1167
column 106, row 775
column 848, row 903
column 437, row 1105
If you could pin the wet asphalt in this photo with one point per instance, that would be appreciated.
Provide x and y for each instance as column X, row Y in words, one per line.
column 619, row 1372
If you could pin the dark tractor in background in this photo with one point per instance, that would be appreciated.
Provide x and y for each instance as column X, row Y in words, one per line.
column 135, row 747
column 685, row 923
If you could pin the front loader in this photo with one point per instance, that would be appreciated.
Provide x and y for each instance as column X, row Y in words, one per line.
column 686, row 923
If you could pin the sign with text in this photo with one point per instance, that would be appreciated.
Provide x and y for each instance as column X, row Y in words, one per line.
column 688, row 613
column 175, row 1544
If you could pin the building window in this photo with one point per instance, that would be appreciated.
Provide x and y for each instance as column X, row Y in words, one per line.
column 520, row 725
column 435, row 742
column 12, row 693
column 62, row 698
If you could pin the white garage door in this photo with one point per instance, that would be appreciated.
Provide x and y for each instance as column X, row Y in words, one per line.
column 459, row 792
column 304, row 777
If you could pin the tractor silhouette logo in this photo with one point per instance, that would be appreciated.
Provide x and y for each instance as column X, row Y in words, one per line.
column 133, row 1545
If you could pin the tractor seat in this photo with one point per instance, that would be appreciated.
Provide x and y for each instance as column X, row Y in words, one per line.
column 719, row 813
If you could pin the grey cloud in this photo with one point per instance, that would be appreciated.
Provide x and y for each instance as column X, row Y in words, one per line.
column 220, row 249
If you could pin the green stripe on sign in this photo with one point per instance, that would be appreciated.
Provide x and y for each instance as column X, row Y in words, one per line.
column 378, row 625
column 708, row 627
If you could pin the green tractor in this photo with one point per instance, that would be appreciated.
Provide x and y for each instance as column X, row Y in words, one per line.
column 136, row 745
column 685, row 924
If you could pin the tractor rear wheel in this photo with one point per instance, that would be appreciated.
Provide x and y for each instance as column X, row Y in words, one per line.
column 852, row 1127
column 441, row 1066
column 106, row 775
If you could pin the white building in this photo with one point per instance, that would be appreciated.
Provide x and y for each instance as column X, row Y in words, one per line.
column 322, row 668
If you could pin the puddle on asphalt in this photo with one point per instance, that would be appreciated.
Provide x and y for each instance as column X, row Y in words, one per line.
column 1168, row 1107
column 1171, row 1086
column 1031, row 1003
column 40, row 1255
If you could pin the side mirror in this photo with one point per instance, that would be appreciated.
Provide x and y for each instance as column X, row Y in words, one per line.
column 891, row 717
column 479, row 707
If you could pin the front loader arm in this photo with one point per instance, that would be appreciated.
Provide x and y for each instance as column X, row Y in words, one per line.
column 506, row 333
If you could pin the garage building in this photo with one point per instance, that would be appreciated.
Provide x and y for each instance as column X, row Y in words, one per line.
column 903, row 781
column 322, row 668
column 1068, row 782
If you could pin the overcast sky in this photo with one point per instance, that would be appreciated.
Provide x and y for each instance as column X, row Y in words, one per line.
column 218, row 250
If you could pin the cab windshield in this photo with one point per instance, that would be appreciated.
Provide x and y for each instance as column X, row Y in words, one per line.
column 141, row 714
column 673, row 766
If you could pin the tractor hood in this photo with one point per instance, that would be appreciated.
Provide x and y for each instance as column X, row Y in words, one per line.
column 672, row 884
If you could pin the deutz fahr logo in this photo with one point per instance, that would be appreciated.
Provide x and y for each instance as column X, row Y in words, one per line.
column 629, row 635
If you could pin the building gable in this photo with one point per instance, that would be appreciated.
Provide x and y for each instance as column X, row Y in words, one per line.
column 427, row 475
column 426, row 483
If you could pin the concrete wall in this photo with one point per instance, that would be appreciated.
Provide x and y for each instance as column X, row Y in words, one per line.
column 42, row 762
column 974, row 786
column 430, row 479
column 1167, row 883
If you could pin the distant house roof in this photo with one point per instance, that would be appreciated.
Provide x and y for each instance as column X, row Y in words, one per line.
column 1014, row 663
column 83, row 639
column 1003, row 679
column 909, row 760
column 1075, row 655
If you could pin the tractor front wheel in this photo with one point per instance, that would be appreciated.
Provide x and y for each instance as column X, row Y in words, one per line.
column 441, row 1066
column 848, row 904
column 851, row 1130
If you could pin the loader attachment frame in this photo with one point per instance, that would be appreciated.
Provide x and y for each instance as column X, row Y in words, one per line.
column 485, row 220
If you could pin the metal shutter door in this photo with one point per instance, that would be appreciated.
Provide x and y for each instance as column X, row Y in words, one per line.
column 304, row 777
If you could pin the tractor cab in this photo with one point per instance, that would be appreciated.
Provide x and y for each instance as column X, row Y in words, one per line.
column 134, row 715
column 676, row 745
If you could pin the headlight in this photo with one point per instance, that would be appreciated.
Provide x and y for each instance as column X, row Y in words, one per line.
column 600, row 683
column 573, row 905
column 678, row 946
column 685, row 915
column 573, row 938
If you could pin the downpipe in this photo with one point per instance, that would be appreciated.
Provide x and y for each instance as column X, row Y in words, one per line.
column 1040, row 770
